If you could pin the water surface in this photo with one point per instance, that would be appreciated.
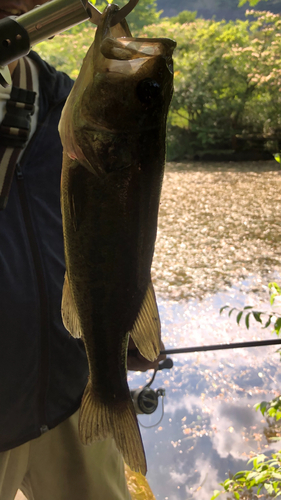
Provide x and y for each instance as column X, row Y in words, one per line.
column 218, row 243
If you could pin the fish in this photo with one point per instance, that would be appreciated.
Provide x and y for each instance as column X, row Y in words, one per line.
column 113, row 129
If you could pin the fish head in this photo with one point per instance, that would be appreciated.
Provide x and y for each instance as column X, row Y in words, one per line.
column 124, row 87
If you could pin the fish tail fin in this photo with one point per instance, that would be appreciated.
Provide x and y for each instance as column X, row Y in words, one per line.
column 98, row 421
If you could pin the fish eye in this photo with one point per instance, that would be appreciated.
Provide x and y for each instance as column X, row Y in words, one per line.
column 148, row 90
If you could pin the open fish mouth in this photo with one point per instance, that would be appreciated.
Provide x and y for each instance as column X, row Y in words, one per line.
column 133, row 74
column 128, row 55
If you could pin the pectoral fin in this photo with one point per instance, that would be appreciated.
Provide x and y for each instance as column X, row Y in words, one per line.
column 68, row 311
column 147, row 328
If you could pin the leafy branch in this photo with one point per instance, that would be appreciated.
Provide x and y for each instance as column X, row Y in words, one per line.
column 272, row 318
column 270, row 409
column 251, row 2
column 265, row 477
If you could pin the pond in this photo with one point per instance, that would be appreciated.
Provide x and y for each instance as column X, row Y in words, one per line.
column 218, row 243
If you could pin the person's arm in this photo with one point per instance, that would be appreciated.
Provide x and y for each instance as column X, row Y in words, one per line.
column 136, row 362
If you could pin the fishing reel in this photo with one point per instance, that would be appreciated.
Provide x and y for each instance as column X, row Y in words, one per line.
column 146, row 399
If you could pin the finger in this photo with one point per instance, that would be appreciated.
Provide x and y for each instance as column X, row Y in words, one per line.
column 136, row 362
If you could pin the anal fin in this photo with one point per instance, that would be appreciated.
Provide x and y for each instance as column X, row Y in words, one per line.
column 147, row 327
column 68, row 311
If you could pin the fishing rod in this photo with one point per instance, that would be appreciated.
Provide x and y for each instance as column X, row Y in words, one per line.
column 219, row 347
column 145, row 399
column 18, row 33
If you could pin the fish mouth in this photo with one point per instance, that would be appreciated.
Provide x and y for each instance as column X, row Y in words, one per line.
column 134, row 54
column 119, row 52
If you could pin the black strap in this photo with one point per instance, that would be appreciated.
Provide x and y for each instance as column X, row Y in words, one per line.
column 16, row 125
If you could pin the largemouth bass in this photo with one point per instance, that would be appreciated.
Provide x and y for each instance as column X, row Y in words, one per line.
column 113, row 133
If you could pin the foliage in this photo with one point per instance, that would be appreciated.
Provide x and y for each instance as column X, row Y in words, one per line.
column 264, row 478
column 277, row 157
column 66, row 51
column 217, row 9
column 251, row 2
column 227, row 80
column 248, row 311
column 270, row 409
column 184, row 17
column 227, row 75
column 144, row 13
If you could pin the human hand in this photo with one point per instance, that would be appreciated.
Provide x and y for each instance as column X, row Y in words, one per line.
column 136, row 362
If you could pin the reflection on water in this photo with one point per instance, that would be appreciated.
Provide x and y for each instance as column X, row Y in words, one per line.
column 218, row 243
column 210, row 427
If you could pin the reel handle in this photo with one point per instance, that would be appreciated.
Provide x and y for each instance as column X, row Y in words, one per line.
column 167, row 364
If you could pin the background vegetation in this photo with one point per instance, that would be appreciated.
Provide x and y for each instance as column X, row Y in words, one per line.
column 227, row 83
column 217, row 9
column 227, row 77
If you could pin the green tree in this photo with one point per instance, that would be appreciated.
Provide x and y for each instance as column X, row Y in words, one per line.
column 184, row 17
column 227, row 81
column 264, row 479
column 227, row 77
column 143, row 14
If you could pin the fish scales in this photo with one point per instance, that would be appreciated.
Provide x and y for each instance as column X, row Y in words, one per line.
column 113, row 130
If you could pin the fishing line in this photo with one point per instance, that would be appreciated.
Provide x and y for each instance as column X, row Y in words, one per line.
column 161, row 418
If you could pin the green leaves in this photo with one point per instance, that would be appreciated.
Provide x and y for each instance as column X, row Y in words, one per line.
column 277, row 326
column 264, row 477
column 275, row 291
column 216, row 494
column 272, row 318
column 226, row 81
column 270, row 409
column 277, row 157
column 256, row 314
column 227, row 75
column 261, row 406
column 144, row 13
column 252, row 3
